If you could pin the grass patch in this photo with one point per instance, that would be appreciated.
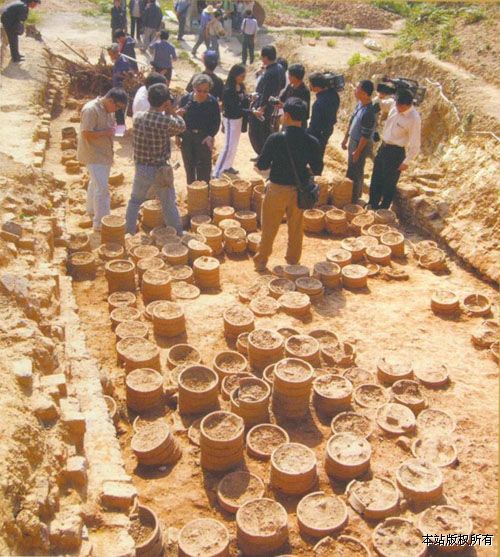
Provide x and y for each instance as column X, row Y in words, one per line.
column 284, row 7
column 332, row 43
column 325, row 33
column 101, row 7
column 399, row 7
column 34, row 17
column 358, row 58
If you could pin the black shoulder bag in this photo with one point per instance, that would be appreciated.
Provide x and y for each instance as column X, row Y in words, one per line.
column 307, row 194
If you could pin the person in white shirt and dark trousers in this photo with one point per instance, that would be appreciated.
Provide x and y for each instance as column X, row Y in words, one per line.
column 400, row 145
column 249, row 28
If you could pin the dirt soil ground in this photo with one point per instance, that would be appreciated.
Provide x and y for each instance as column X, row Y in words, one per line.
column 389, row 318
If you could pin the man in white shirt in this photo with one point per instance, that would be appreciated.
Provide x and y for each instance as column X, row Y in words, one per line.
column 249, row 28
column 400, row 146
column 141, row 103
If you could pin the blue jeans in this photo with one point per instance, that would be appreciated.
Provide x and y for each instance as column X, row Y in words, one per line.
column 98, row 198
column 163, row 180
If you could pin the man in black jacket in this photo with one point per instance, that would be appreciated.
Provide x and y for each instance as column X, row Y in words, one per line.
column 136, row 9
column 269, row 85
column 152, row 19
column 324, row 110
column 118, row 19
column 297, row 88
column 13, row 17
column 281, row 153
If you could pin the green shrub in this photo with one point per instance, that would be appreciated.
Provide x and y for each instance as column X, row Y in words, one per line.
column 34, row 17
column 332, row 43
column 399, row 7
column 473, row 15
column 357, row 58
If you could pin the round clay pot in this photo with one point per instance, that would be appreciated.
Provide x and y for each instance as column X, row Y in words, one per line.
column 124, row 313
column 181, row 354
column 261, row 526
column 120, row 274
column 314, row 221
column 336, row 222
column 223, row 213
column 319, row 514
column 148, row 310
column 381, row 255
column 408, row 393
column 204, row 536
column 293, row 469
column 229, row 362
column 144, row 389
column 151, row 213
column 247, row 220
column 397, row 537
column 332, row 393
column 390, row 369
column 235, row 239
column 356, row 247
column 279, row 286
column 293, row 272
column 197, row 198
column 347, row 456
column 378, row 229
column 248, row 293
column 228, row 223
column 156, row 285
column 112, row 407
column 182, row 290
column 292, row 387
column 445, row 302
column 207, row 272
column 445, row 520
column 311, row 286
column 188, row 236
column 181, row 273
column 163, row 234
column 395, row 419
column 137, row 353
column 82, row 265
column 221, row 441
column 354, row 276
column 375, row 499
column 144, row 252
column 328, row 273
column 296, row 304
column 175, row 254
column 361, row 221
column 268, row 375
column 358, row 376
column 198, row 249
column 118, row 299
column 149, row 264
column 253, row 241
column 168, row 319
column 370, row 395
column 198, row 389
column 265, row 347
column 395, row 241
column 342, row 354
column 432, row 259
column 303, row 347
column 198, row 220
column 79, row 242
column 242, row 343
column 433, row 378
column 385, row 216
column 438, row 451
column 241, row 195
column 485, row 335
column 219, row 192
column 352, row 211
column 264, row 306
column 214, row 237
column 154, row 445
column 232, row 382
column 139, row 239
column 420, row 481
column 368, row 241
column 477, row 305
column 250, row 400
column 238, row 319
column 152, row 546
column 262, row 439
column 343, row 545
column 236, row 488
column 113, row 229
column 373, row 269
column 127, row 329
column 432, row 421
column 339, row 256
column 352, row 422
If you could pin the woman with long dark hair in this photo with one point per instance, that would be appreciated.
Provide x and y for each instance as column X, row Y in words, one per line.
column 234, row 101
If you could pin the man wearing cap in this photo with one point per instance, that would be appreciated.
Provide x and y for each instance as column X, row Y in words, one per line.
column 210, row 61
column 120, row 67
column 400, row 146
column 360, row 137
column 13, row 17
column 205, row 18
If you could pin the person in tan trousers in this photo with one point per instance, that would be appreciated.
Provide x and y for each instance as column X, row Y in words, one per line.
column 281, row 190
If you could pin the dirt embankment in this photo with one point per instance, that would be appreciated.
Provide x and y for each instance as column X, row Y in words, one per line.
column 452, row 191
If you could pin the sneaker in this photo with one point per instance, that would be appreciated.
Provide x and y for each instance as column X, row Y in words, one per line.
column 232, row 171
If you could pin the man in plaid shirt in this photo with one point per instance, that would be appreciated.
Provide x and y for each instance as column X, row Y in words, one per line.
column 152, row 132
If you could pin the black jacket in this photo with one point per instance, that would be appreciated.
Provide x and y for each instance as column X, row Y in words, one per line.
column 270, row 84
column 14, row 14
column 301, row 92
column 142, row 5
column 324, row 115
column 217, row 84
column 234, row 103
column 204, row 117
column 118, row 18
column 152, row 16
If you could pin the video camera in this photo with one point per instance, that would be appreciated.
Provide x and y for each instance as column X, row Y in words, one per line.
column 335, row 81
column 390, row 86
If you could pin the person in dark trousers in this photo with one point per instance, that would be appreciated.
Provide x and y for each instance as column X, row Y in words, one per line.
column 297, row 88
column 400, row 146
column 235, row 101
column 181, row 10
column 269, row 85
column 201, row 113
column 152, row 19
column 13, row 17
column 127, row 47
column 118, row 18
column 205, row 19
column 210, row 62
column 136, row 9
column 249, row 28
column 120, row 67
column 163, row 55
column 358, row 139
column 281, row 190
column 152, row 132
column 324, row 109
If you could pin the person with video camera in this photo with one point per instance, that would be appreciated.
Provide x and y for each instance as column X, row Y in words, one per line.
column 360, row 136
column 324, row 109
column 292, row 156
column 400, row 145
column 268, row 88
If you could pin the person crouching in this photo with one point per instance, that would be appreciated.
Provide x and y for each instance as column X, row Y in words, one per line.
column 281, row 152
